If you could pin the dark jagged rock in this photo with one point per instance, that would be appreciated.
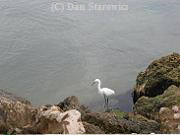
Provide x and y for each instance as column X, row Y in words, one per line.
column 146, row 125
column 110, row 123
column 69, row 103
column 92, row 129
column 159, row 75
column 72, row 102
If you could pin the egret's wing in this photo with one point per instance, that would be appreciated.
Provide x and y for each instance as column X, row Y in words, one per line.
column 108, row 91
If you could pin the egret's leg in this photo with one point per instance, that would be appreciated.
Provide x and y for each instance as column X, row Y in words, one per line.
column 105, row 101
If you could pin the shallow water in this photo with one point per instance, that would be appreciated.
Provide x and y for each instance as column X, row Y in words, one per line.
column 46, row 56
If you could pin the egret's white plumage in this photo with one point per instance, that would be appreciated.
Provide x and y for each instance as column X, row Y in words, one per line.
column 106, row 92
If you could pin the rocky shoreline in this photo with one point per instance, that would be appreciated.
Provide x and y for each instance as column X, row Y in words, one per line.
column 156, row 108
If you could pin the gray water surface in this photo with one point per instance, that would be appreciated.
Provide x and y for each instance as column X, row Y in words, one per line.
column 46, row 56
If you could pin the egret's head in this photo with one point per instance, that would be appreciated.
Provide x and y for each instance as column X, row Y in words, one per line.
column 95, row 81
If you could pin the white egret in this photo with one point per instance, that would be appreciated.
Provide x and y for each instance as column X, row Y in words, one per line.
column 106, row 92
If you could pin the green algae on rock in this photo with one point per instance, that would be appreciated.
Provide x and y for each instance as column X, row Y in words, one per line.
column 120, row 114
column 159, row 75
column 150, row 106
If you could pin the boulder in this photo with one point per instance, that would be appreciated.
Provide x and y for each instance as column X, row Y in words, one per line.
column 159, row 75
column 69, row 103
column 53, row 120
column 150, row 106
column 18, row 116
column 72, row 102
column 110, row 123
column 92, row 129
column 146, row 125
column 14, row 112
column 169, row 120
column 163, row 108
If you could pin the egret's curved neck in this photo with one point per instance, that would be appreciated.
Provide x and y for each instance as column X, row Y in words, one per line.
column 99, row 85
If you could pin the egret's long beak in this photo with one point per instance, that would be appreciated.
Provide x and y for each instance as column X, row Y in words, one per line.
column 93, row 83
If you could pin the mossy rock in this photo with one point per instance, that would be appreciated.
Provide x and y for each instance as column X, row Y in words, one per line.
column 113, row 123
column 159, row 75
column 150, row 107
column 120, row 114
